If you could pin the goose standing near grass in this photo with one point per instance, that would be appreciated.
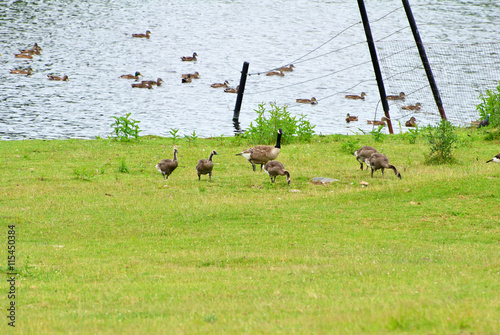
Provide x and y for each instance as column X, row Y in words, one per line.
column 495, row 159
column 146, row 35
column 132, row 76
column 189, row 58
column 356, row 97
column 364, row 153
column 380, row 161
column 261, row 154
column 152, row 82
column 401, row 96
column 205, row 166
column 217, row 85
column 167, row 166
column 311, row 101
column 274, row 169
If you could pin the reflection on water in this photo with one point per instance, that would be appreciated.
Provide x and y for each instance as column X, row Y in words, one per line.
column 92, row 44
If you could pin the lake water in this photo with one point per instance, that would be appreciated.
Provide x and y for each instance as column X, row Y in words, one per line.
column 91, row 42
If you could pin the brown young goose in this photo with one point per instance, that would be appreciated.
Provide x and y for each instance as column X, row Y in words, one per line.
column 152, row 82
column 189, row 58
column 356, row 97
column 146, row 35
column 401, row 96
column 311, row 101
column 217, row 85
column 167, row 166
column 261, row 154
column 380, row 161
column 205, row 166
column 274, row 169
column 364, row 153
column 350, row 118
column 412, row 122
column 495, row 159
column 132, row 76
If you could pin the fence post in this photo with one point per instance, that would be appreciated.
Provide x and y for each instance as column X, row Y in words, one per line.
column 241, row 89
column 423, row 57
column 376, row 66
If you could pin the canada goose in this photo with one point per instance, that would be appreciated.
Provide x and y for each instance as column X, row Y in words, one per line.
column 274, row 169
column 275, row 73
column 63, row 78
column 23, row 56
column 401, row 96
column 356, row 97
column 415, row 107
column 350, row 118
column 195, row 75
column 216, row 85
column 152, row 82
column 485, row 122
column 286, row 68
column 27, row 72
column 232, row 90
column 261, row 154
column 205, row 166
column 189, row 58
column 132, row 76
column 495, row 159
column 378, row 123
column 311, row 101
column 167, row 166
column 149, row 86
column 146, row 35
column 35, row 50
column 412, row 122
column 364, row 153
column 380, row 161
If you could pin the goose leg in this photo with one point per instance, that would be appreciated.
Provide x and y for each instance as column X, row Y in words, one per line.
column 383, row 173
column 372, row 172
column 253, row 165
column 210, row 176
column 199, row 177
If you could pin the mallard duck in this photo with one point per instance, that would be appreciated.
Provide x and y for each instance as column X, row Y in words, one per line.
column 311, row 101
column 146, row 35
column 27, row 72
column 152, row 82
column 63, row 78
column 401, row 96
column 412, row 122
column 33, row 51
column 378, row 123
column 415, row 107
column 142, row 86
column 216, row 85
column 25, row 56
column 132, row 76
column 286, row 68
column 356, row 97
column 275, row 73
column 195, row 75
column 232, row 90
column 350, row 118
column 189, row 59
column 186, row 80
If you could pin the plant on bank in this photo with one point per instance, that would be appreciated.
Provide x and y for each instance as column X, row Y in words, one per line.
column 490, row 104
column 124, row 128
column 442, row 139
column 263, row 129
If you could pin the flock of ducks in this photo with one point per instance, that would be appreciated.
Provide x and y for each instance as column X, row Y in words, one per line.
column 28, row 54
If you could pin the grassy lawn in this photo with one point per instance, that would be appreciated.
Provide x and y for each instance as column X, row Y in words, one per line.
column 103, row 251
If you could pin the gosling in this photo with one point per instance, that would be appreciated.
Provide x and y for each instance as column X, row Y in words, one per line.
column 364, row 153
column 167, row 166
column 205, row 166
column 380, row 161
column 274, row 169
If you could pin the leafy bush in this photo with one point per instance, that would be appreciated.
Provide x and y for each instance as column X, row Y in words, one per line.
column 442, row 140
column 125, row 128
column 490, row 104
column 350, row 145
column 265, row 128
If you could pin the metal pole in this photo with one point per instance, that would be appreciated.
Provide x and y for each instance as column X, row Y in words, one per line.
column 376, row 66
column 423, row 57
column 241, row 89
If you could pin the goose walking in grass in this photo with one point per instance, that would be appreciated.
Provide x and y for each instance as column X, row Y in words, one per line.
column 380, row 161
column 412, row 122
column 146, row 35
column 217, row 85
column 189, row 58
column 152, row 82
column 401, row 96
column 132, row 76
column 167, row 166
column 205, row 166
column 261, row 154
column 57, row 78
column 274, row 169
column 356, row 97
column 364, row 153
column 495, row 159
column 350, row 118
column 311, row 101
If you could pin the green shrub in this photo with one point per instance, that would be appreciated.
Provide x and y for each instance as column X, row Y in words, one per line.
column 350, row 145
column 264, row 128
column 490, row 104
column 442, row 140
column 125, row 128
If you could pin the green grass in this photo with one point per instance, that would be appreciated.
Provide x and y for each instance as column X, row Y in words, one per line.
column 100, row 251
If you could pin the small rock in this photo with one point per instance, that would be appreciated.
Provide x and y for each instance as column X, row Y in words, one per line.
column 323, row 180
column 364, row 183
column 295, row 191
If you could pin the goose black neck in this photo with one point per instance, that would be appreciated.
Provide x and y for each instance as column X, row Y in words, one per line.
column 278, row 141
column 211, row 155
column 175, row 155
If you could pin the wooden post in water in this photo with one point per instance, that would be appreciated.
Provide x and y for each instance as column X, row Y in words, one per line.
column 423, row 57
column 376, row 66
column 241, row 89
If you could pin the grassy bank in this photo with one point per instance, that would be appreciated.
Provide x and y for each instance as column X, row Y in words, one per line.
column 103, row 250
